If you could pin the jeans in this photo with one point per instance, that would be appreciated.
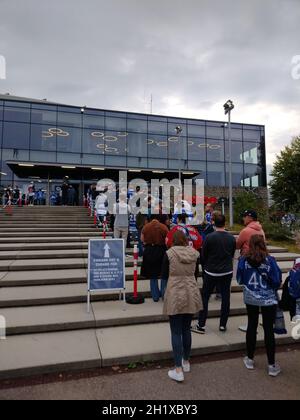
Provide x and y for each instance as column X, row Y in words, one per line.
column 181, row 337
column 155, row 292
column 223, row 285
column 268, row 314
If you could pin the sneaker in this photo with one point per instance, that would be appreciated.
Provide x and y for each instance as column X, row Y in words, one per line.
column 223, row 329
column 243, row 328
column 249, row 363
column 186, row 366
column 197, row 329
column 178, row 377
column 274, row 370
column 218, row 297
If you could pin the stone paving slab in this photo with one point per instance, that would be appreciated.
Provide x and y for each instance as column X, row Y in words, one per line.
column 35, row 354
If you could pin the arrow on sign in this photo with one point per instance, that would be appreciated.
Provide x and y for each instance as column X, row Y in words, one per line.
column 106, row 253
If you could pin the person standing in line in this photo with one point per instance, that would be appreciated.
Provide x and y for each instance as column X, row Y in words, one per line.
column 252, row 227
column 71, row 196
column 261, row 278
column 31, row 194
column 154, row 236
column 182, row 300
column 195, row 239
column 217, row 261
column 121, row 211
column 64, row 193
column 101, row 207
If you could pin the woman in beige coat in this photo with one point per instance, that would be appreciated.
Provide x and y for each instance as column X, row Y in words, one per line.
column 182, row 300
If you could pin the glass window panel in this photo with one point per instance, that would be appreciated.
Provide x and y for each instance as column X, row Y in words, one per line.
column 17, row 114
column 93, row 121
column 1, row 113
column 214, row 132
column 157, row 163
column 137, row 162
column 251, row 135
column 70, row 109
column 215, row 150
column 237, row 175
column 115, row 143
column 158, row 147
column 252, row 153
column 137, row 126
column 115, row 114
column 115, row 160
column 177, row 147
column 43, row 107
column 215, row 174
column 172, row 128
column 155, row 127
column 196, row 130
column 235, row 134
column 93, row 112
column 42, row 156
column 93, row 160
column 69, row 158
column 43, row 137
column 39, row 116
column 115, row 124
column 69, row 119
column 17, row 104
column 6, row 155
column 196, row 149
column 199, row 168
column 16, row 135
column 236, row 149
column 253, row 171
column 137, row 116
column 93, row 141
column 137, row 145
column 68, row 139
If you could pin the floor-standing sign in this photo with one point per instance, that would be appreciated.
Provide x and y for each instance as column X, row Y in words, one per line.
column 106, row 266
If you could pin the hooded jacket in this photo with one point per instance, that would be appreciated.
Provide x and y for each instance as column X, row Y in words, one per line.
column 182, row 295
column 254, row 228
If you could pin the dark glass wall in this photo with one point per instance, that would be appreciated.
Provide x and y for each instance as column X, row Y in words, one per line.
column 38, row 132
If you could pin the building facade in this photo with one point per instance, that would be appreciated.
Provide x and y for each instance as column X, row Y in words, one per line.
column 45, row 142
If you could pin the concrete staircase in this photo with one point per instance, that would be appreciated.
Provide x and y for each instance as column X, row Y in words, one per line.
column 43, row 263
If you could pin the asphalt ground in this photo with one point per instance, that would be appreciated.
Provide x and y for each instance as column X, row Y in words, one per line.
column 212, row 378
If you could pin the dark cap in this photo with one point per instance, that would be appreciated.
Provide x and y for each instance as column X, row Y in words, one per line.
column 250, row 213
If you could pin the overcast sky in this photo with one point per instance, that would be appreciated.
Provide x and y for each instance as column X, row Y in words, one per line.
column 191, row 55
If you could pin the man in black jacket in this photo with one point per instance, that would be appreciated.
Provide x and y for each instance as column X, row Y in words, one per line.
column 217, row 261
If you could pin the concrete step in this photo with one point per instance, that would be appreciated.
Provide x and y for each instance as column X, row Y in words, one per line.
column 35, row 354
column 41, row 239
column 70, row 263
column 47, row 254
column 71, row 233
column 31, row 320
column 49, row 263
column 44, row 229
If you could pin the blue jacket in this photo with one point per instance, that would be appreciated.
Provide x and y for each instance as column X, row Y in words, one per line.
column 260, row 284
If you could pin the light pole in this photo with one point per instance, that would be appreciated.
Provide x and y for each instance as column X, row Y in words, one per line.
column 178, row 130
column 228, row 107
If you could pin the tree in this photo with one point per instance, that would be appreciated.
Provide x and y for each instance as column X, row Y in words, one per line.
column 285, row 186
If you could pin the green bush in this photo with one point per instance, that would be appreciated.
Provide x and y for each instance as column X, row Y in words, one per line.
column 276, row 231
column 247, row 199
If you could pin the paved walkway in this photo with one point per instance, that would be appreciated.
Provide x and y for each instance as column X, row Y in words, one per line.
column 225, row 379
